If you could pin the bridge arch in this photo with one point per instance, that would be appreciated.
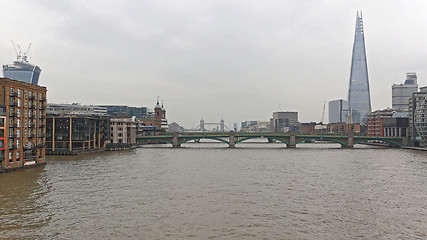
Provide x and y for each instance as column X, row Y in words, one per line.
column 326, row 139
column 391, row 142
column 213, row 138
column 275, row 138
column 164, row 141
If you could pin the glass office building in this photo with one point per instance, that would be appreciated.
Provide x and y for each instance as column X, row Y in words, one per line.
column 22, row 71
column 359, row 99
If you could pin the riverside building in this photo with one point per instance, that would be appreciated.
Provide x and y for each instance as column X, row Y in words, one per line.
column 22, row 124
column 123, row 132
column 418, row 118
column 73, row 128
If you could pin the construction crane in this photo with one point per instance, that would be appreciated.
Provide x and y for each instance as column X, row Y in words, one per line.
column 19, row 54
column 25, row 55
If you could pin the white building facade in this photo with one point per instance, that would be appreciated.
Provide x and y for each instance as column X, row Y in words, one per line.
column 401, row 93
column 338, row 109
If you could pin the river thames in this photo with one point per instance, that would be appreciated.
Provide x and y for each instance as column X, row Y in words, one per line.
column 207, row 191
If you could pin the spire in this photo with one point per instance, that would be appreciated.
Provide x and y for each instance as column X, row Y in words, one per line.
column 157, row 105
column 359, row 100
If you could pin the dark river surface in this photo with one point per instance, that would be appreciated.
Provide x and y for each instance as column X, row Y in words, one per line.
column 207, row 191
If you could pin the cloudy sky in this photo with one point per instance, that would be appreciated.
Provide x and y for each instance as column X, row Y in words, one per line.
column 232, row 59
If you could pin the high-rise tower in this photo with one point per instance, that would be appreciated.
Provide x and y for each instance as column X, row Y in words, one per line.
column 359, row 99
column 21, row 69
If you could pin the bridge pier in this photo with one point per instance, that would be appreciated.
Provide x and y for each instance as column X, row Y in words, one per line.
column 292, row 141
column 175, row 140
column 350, row 142
column 232, row 140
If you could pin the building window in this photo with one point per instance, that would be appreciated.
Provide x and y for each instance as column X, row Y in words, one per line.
column 17, row 143
column 25, row 93
column 17, row 156
column 18, row 102
column 18, row 133
column 10, row 157
column 19, row 92
column 18, row 112
column 1, row 122
column 1, row 143
column 1, row 133
column 18, row 122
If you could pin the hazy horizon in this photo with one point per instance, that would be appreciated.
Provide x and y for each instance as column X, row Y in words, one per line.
column 236, row 61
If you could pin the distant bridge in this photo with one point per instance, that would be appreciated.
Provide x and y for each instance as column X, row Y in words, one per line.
column 291, row 140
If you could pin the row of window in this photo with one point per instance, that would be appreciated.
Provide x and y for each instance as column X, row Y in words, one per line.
column 28, row 104
column 17, row 143
column 28, row 94
column 28, row 113
column 27, row 132
column 27, row 123
column 17, row 155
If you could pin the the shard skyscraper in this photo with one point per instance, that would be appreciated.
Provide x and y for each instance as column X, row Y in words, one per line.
column 359, row 99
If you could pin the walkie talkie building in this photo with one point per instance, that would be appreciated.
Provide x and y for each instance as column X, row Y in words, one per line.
column 359, row 99
column 21, row 69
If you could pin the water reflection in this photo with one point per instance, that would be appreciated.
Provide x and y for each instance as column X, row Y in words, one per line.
column 23, row 209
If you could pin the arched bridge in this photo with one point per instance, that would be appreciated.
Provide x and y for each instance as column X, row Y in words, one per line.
column 291, row 140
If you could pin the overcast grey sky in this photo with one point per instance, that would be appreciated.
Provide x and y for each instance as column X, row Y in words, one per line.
column 238, row 60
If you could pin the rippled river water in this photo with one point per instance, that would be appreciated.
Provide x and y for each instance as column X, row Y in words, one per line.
column 207, row 191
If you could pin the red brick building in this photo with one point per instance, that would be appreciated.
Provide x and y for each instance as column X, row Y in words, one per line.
column 22, row 124
column 375, row 123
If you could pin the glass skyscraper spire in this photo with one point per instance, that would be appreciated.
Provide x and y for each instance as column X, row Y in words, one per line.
column 359, row 100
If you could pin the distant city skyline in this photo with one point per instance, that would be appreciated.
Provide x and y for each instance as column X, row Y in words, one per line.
column 237, row 61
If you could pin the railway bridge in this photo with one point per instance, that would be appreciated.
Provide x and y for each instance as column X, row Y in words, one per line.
column 290, row 139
